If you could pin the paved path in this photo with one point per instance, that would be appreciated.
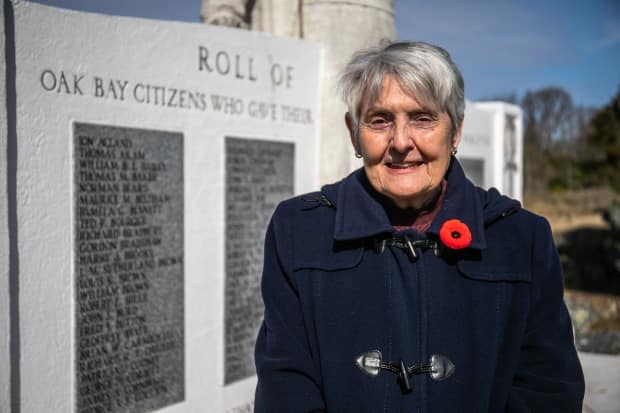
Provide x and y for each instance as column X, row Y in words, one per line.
column 602, row 374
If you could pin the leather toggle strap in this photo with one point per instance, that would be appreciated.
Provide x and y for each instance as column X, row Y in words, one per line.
column 404, row 242
column 439, row 367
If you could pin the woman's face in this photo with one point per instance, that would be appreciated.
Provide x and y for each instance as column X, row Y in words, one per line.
column 406, row 147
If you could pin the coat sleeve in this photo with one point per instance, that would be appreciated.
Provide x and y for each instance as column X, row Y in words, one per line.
column 549, row 376
column 288, row 376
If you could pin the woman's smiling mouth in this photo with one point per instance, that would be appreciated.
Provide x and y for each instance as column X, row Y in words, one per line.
column 403, row 165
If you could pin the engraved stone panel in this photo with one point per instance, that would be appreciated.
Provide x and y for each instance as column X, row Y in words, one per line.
column 259, row 174
column 128, row 268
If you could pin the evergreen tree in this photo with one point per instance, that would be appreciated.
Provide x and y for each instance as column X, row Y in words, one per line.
column 604, row 141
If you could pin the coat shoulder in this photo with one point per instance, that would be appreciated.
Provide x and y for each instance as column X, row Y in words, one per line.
column 514, row 240
column 305, row 225
column 526, row 225
column 303, row 210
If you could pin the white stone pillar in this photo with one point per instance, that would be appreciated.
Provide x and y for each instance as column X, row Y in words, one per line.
column 342, row 28
column 281, row 18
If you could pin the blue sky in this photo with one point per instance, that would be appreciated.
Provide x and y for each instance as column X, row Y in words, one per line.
column 502, row 47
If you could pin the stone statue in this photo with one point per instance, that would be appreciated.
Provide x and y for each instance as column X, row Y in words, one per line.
column 230, row 13
column 279, row 17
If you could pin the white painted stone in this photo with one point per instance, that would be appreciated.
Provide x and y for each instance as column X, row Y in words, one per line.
column 5, row 323
column 507, row 144
column 489, row 142
column 279, row 17
column 51, row 43
column 476, row 144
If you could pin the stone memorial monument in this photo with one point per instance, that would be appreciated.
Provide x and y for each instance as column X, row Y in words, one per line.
column 145, row 160
column 491, row 149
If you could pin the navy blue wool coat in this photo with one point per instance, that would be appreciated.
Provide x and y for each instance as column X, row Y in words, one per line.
column 495, row 309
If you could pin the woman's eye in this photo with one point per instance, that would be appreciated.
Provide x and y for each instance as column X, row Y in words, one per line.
column 379, row 123
column 423, row 120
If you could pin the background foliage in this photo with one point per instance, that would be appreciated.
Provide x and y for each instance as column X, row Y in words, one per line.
column 572, row 176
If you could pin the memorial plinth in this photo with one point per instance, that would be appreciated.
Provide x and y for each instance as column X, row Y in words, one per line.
column 150, row 158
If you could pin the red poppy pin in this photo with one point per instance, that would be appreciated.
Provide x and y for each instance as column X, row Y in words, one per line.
column 455, row 234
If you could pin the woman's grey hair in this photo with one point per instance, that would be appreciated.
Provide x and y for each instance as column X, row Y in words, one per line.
column 427, row 71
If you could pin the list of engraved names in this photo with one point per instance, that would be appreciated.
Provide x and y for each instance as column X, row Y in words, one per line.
column 128, row 268
column 259, row 174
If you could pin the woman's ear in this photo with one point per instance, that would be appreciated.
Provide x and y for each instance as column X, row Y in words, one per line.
column 456, row 138
column 348, row 120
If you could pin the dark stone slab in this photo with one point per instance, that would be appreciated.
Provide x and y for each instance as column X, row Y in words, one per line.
column 259, row 174
column 129, row 295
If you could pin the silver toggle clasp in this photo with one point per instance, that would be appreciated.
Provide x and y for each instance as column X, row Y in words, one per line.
column 369, row 362
column 441, row 367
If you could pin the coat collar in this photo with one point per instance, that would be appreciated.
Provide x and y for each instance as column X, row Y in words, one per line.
column 360, row 212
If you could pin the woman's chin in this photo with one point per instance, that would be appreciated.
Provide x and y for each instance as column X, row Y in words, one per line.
column 408, row 197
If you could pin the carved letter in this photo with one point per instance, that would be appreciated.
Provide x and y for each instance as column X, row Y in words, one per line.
column 48, row 74
column 203, row 63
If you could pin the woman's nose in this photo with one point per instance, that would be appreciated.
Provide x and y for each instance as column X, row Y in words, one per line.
column 401, row 140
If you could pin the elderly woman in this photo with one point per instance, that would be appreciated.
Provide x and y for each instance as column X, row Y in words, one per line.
column 403, row 287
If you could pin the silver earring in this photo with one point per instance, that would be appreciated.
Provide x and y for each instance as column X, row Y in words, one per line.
column 454, row 151
column 358, row 155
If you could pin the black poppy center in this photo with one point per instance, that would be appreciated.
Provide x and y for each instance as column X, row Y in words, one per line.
column 456, row 234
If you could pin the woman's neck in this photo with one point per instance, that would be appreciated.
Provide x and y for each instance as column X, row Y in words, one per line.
column 421, row 218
